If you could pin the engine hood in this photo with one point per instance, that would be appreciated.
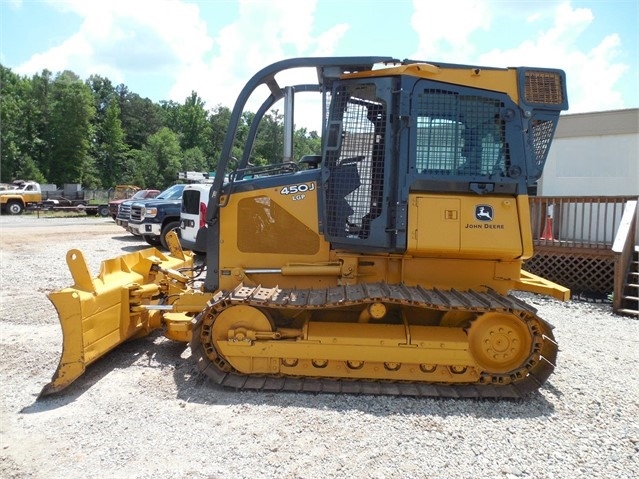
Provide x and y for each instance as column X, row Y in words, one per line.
column 157, row 203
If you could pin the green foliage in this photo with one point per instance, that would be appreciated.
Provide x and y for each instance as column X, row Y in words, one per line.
column 72, row 113
column 140, row 117
column 305, row 143
column 26, row 168
column 269, row 143
column 164, row 148
column 111, row 151
column 142, row 170
column 194, row 160
column 14, row 124
column 59, row 129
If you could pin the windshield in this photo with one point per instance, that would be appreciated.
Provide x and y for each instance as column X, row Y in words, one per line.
column 459, row 134
column 172, row 193
column 138, row 195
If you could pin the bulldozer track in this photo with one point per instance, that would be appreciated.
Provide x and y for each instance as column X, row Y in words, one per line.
column 517, row 384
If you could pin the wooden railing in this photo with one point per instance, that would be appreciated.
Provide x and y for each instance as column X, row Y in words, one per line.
column 588, row 222
column 585, row 243
column 623, row 248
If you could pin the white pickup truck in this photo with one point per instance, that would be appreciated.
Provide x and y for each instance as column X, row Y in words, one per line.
column 195, row 199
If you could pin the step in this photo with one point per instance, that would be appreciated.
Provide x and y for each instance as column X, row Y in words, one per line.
column 631, row 312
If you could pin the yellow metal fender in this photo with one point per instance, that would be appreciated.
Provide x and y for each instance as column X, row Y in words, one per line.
column 97, row 314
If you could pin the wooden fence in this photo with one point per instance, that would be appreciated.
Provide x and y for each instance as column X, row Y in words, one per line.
column 573, row 238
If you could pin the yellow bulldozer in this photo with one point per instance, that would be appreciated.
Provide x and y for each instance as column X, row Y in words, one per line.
column 383, row 265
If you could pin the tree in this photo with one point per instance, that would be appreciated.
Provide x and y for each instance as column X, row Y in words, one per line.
column 111, row 151
column 171, row 115
column 142, row 169
column 104, row 142
column 62, row 130
column 219, row 122
column 189, row 121
column 103, row 93
column 194, row 160
column 26, row 168
column 40, row 122
column 305, row 143
column 14, row 131
column 164, row 149
column 194, row 124
column 72, row 112
column 269, row 144
column 140, row 117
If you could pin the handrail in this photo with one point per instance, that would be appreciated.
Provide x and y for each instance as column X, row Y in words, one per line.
column 623, row 248
column 589, row 222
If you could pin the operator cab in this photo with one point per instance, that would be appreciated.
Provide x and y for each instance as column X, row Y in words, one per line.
column 392, row 135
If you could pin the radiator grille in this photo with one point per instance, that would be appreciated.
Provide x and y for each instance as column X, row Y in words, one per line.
column 543, row 87
column 136, row 212
column 124, row 211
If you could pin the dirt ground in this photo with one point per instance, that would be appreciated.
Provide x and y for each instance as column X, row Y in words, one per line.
column 143, row 411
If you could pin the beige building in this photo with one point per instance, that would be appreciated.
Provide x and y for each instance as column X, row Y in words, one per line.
column 594, row 154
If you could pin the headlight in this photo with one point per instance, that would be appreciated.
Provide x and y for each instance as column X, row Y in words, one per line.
column 149, row 212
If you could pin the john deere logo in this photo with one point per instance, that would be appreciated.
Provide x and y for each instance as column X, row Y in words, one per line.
column 484, row 212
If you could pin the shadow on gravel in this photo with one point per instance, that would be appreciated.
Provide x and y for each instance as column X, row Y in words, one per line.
column 123, row 357
column 134, row 248
column 174, row 359
column 132, row 240
column 136, row 242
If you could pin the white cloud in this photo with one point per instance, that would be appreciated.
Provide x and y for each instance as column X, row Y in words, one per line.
column 121, row 36
column 263, row 33
column 169, row 38
column 591, row 74
column 444, row 28
column 534, row 17
column 446, row 31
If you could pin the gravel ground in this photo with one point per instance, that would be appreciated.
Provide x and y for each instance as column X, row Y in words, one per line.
column 144, row 412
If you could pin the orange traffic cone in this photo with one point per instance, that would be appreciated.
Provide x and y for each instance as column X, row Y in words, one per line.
column 547, row 234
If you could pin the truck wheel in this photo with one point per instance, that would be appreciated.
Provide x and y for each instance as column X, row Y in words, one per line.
column 15, row 207
column 152, row 240
column 103, row 210
column 173, row 225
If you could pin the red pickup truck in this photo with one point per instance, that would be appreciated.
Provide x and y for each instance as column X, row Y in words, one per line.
column 139, row 195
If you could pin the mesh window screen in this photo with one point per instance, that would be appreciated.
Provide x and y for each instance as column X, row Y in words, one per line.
column 356, row 163
column 541, row 135
column 459, row 134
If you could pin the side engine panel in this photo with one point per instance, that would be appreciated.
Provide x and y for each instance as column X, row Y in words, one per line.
column 486, row 227
column 270, row 223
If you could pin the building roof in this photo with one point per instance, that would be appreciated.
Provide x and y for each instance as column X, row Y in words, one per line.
column 599, row 123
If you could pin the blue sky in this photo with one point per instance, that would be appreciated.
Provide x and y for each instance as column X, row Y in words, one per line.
column 164, row 50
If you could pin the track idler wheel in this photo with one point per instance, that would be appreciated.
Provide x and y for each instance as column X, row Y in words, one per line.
column 499, row 342
column 239, row 323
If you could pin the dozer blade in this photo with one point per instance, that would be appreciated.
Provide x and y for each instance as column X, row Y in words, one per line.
column 97, row 314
